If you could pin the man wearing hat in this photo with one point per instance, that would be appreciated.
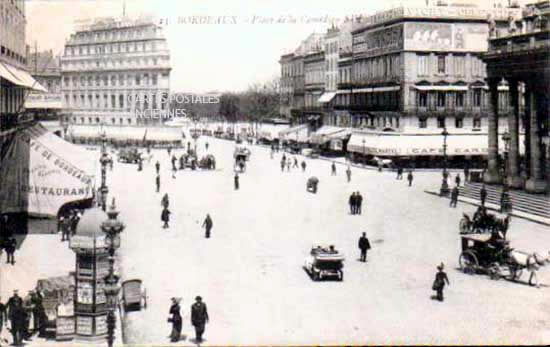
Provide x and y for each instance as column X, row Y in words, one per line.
column 364, row 246
column 439, row 282
column 199, row 317
column 16, row 316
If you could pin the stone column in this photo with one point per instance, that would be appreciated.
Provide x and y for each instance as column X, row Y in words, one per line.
column 514, row 179
column 493, row 174
column 536, row 183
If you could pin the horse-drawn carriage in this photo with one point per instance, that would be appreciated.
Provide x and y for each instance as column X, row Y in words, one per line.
column 493, row 256
column 129, row 155
column 325, row 262
column 208, row 162
column 133, row 296
column 483, row 222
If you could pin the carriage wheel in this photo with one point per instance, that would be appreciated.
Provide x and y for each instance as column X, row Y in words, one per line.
column 463, row 226
column 494, row 272
column 468, row 262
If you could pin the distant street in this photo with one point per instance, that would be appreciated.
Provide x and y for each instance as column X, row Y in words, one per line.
column 250, row 273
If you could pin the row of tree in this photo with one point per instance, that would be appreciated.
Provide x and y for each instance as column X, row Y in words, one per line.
column 260, row 101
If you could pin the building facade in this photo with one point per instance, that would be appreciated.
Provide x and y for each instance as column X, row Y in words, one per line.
column 116, row 72
column 44, row 68
column 287, row 85
column 314, row 85
column 15, row 81
column 520, row 55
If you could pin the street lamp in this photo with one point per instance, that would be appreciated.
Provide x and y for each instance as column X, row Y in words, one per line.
column 104, row 160
column 506, row 139
column 112, row 227
column 444, row 190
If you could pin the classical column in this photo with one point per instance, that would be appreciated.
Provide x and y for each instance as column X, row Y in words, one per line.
column 493, row 174
column 536, row 183
column 514, row 179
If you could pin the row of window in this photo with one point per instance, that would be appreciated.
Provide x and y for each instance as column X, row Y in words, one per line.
column 451, row 99
column 377, row 67
column 442, row 122
column 123, row 34
column 92, row 64
column 120, row 101
column 447, row 64
column 97, row 120
column 125, row 47
column 145, row 79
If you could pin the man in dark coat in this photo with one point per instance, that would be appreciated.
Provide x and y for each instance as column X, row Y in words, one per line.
column 165, row 217
column 11, row 244
column 236, row 181
column 174, row 163
column 352, row 202
column 207, row 224
column 359, row 203
column 165, row 202
column 16, row 316
column 303, row 166
column 3, row 316
column 454, row 197
column 483, row 195
column 333, row 169
column 157, row 166
column 199, row 317
column 157, row 181
column 348, row 173
column 410, row 178
column 399, row 173
column 364, row 246
column 457, row 179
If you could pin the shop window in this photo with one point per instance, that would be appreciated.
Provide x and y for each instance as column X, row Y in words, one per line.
column 441, row 122
column 459, row 101
column 422, row 123
column 441, row 99
column 459, row 122
column 422, row 99
column 477, row 123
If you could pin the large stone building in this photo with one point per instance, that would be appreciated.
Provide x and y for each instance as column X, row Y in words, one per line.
column 44, row 68
column 116, row 72
column 521, row 55
column 15, row 81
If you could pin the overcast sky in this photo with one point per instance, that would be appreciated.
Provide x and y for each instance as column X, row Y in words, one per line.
column 208, row 57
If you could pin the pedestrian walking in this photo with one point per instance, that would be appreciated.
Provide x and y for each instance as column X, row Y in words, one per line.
column 348, row 173
column 11, row 245
column 16, row 316
column 439, row 282
column 288, row 163
column 283, row 162
column 454, row 197
column 65, row 229
column 165, row 217
column 207, row 224
column 3, row 317
column 165, row 202
column 303, row 166
column 174, row 162
column 505, row 204
column 157, row 166
column 206, row 146
column 364, row 246
column 199, row 318
column 359, row 202
column 410, row 177
column 295, row 163
column 236, row 181
column 157, row 181
column 457, row 180
column 399, row 173
column 38, row 312
column 352, row 202
column 333, row 169
column 174, row 170
column 140, row 164
column 483, row 195
column 175, row 319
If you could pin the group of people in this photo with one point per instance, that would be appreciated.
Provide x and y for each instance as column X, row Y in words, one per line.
column 399, row 176
column 9, row 244
column 355, row 203
column 199, row 318
column 19, row 312
column 288, row 163
column 67, row 224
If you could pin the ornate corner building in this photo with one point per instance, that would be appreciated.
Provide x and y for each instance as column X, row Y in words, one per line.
column 116, row 72
column 521, row 55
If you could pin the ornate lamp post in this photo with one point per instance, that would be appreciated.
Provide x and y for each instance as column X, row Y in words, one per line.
column 444, row 190
column 104, row 160
column 112, row 227
column 506, row 139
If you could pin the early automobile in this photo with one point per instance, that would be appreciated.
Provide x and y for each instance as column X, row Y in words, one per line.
column 325, row 262
column 312, row 184
column 133, row 295
column 483, row 253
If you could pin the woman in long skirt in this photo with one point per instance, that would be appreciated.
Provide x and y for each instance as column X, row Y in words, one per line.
column 175, row 320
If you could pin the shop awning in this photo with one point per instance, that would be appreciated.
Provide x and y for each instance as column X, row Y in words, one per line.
column 41, row 172
column 417, row 145
column 43, row 101
column 20, row 77
column 442, row 88
column 327, row 97
column 272, row 131
column 163, row 134
column 377, row 89
column 323, row 134
column 84, row 132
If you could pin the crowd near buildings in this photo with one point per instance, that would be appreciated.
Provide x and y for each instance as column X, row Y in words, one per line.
column 401, row 78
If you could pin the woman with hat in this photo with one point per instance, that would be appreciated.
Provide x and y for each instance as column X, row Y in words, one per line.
column 175, row 320
column 439, row 282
